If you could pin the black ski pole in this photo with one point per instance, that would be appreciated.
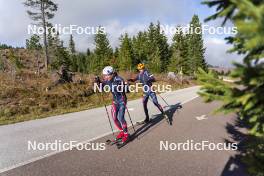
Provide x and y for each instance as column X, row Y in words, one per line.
column 109, row 120
column 130, row 119
column 163, row 100
column 102, row 98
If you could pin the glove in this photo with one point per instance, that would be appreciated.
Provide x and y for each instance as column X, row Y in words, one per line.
column 97, row 80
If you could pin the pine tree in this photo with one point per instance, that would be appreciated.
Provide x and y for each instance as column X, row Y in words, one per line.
column 81, row 63
column 196, row 49
column 155, row 64
column 246, row 97
column 14, row 62
column 179, row 60
column 175, row 61
column 34, row 44
column 103, row 51
column 157, row 43
column 43, row 11
column 125, row 54
column 60, row 54
column 76, row 64
column 5, row 46
column 62, row 57
column 2, row 65
column 72, row 45
column 116, row 52
column 140, row 45
column 163, row 48
column 88, row 52
column 54, row 43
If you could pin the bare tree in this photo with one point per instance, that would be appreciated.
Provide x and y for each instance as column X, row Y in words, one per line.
column 43, row 10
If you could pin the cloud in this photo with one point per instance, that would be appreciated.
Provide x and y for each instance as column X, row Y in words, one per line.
column 13, row 22
column 117, row 16
column 216, row 52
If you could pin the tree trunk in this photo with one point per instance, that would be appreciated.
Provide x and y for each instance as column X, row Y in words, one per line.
column 45, row 35
column 38, row 69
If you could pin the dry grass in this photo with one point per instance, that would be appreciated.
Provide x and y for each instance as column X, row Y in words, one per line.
column 24, row 97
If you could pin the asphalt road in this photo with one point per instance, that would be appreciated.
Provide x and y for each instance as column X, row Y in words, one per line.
column 80, row 126
column 143, row 155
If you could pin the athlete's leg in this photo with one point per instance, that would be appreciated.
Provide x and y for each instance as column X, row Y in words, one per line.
column 145, row 105
column 115, row 115
column 155, row 101
column 121, row 116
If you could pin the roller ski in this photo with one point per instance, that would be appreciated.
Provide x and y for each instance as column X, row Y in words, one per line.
column 112, row 142
column 117, row 140
column 143, row 122
column 124, row 141
column 165, row 116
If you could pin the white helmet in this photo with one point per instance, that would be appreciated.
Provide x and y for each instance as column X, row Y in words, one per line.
column 108, row 70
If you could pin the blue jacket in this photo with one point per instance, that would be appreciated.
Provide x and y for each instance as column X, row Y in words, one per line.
column 119, row 93
column 145, row 78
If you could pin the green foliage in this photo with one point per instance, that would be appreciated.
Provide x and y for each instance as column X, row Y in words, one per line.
column 249, row 99
column 175, row 62
column 254, row 155
column 14, row 60
column 41, row 8
column 188, row 50
column 157, row 47
column 2, row 66
column 41, row 12
column 33, row 43
column 62, row 57
column 150, row 46
column 5, row 46
column 139, row 43
column 59, row 53
column 72, row 45
column 125, row 53
column 247, row 96
column 103, row 52
column 92, row 64
column 213, row 88
column 79, row 63
column 195, row 47
column 88, row 52
column 179, row 60
column 155, row 64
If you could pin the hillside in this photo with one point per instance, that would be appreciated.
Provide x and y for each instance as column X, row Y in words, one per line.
column 23, row 94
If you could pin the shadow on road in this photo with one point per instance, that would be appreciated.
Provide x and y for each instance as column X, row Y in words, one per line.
column 154, row 122
column 234, row 166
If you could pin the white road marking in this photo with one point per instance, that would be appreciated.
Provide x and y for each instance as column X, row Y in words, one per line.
column 202, row 117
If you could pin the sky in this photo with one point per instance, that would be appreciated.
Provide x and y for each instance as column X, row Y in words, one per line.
column 118, row 17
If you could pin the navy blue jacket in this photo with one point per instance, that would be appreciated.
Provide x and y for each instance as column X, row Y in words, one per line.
column 119, row 95
column 145, row 78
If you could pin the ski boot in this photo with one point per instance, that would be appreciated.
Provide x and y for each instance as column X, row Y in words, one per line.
column 124, row 141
